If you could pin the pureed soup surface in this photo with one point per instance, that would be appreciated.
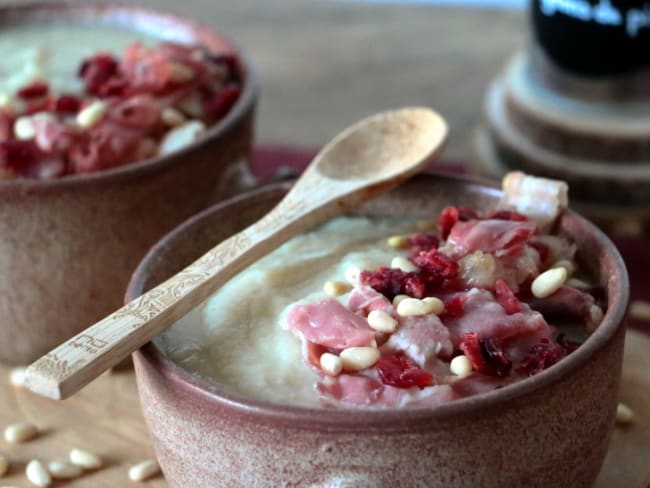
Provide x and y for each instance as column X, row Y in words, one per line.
column 384, row 313
column 53, row 53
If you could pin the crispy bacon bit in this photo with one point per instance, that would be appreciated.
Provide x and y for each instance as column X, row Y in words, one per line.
column 37, row 89
column 486, row 355
column 401, row 371
column 542, row 356
column 67, row 104
column 506, row 297
column 96, row 71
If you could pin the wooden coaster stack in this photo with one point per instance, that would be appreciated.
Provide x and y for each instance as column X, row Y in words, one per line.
column 593, row 134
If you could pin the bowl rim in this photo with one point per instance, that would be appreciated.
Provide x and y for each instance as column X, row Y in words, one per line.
column 394, row 418
column 242, row 107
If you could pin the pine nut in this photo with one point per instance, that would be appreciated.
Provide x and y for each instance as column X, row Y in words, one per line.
column 548, row 282
column 20, row 432
column 91, row 114
column 624, row 414
column 17, row 376
column 381, row 321
column 398, row 298
column 410, row 307
column 85, row 459
column 24, row 128
column 179, row 73
column 577, row 283
column 330, row 364
column 404, row 264
column 181, row 136
column 426, row 225
column 398, row 242
column 172, row 117
column 437, row 305
column 144, row 470
column 336, row 288
column 565, row 263
column 358, row 358
column 4, row 465
column 460, row 366
column 64, row 471
column 37, row 474
column 640, row 310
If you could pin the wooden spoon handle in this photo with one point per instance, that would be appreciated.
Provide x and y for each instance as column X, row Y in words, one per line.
column 76, row 362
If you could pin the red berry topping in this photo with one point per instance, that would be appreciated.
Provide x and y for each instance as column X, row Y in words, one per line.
column 37, row 89
column 486, row 355
column 436, row 264
column 401, row 371
column 507, row 215
column 67, row 104
column 454, row 307
column 542, row 356
column 222, row 102
column 18, row 156
column 96, row 71
column 506, row 298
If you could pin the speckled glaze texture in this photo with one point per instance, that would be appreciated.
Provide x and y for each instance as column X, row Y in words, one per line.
column 68, row 246
column 550, row 430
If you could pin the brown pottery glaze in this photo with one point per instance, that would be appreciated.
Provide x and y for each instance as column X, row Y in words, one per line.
column 68, row 246
column 549, row 430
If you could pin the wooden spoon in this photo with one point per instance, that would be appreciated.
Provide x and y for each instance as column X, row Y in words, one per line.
column 366, row 159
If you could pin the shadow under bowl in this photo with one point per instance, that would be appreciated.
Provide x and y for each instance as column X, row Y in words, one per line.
column 68, row 245
column 551, row 429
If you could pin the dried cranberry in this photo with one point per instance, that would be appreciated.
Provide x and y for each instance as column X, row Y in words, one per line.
column 540, row 357
column 507, row 215
column 448, row 218
column 37, row 89
column 486, row 355
column 401, row 371
column 67, row 104
column 436, row 264
column 96, row 71
column 222, row 102
column 506, row 298
column 18, row 156
column 423, row 242
column 114, row 87
column 454, row 307
column 450, row 215
column 387, row 281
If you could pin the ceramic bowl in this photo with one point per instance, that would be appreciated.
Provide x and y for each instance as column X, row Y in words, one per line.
column 68, row 246
column 548, row 430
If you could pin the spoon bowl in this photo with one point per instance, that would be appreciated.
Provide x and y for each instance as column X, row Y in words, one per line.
column 366, row 159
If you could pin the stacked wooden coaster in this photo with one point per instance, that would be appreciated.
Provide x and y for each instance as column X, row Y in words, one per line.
column 593, row 134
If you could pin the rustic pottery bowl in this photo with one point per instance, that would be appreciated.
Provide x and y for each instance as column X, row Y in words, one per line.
column 548, row 430
column 68, row 246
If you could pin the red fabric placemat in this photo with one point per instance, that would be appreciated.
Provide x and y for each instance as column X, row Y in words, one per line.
column 267, row 160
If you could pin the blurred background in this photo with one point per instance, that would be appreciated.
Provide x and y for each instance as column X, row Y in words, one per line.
column 324, row 64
